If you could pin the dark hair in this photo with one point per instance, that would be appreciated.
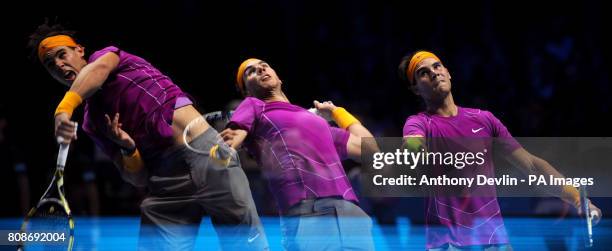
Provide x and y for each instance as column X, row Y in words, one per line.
column 43, row 31
column 243, row 90
column 403, row 68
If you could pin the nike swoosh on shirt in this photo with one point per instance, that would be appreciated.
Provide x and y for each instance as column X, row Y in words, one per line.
column 477, row 130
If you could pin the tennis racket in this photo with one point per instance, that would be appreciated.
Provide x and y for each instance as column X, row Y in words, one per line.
column 584, row 203
column 315, row 111
column 218, row 120
column 218, row 117
column 49, row 225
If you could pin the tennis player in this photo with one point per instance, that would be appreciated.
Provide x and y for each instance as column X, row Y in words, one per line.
column 300, row 155
column 137, row 115
column 458, row 223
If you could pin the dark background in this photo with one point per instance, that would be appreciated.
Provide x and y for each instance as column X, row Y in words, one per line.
column 542, row 69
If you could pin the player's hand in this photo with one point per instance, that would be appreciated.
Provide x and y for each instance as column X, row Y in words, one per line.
column 325, row 109
column 233, row 137
column 595, row 212
column 65, row 130
column 118, row 135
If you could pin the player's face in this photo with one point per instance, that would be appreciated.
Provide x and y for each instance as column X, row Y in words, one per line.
column 260, row 78
column 432, row 79
column 64, row 63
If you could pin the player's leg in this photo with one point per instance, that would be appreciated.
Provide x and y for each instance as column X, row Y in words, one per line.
column 327, row 224
column 224, row 193
column 169, row 224
column 233, row 211
column 305, row 227
column 355, row 226
column 171, row 215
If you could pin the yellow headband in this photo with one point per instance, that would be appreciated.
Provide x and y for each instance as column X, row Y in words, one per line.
column 415, row 60
column 240, row 73
column 54, row 41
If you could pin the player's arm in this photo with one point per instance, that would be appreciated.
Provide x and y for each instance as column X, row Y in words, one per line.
column 87, row 82
column 131, row 168
column 531, row 164
column 415, row 143
column 346, row 121
column 128, row 159
column 353, row 146
column 94, row 74
column 234, row 137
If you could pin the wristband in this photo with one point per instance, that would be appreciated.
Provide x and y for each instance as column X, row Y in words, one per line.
column 70, row 102
column 133, row 162
column 343, row 118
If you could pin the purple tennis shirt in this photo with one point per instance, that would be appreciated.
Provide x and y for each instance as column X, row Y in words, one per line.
column 299, row 153
column 462, row 221
column 143, row 96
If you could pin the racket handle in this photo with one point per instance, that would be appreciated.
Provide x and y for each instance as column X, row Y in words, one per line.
column 62, row 155
column 584, row 204
column 315, row 111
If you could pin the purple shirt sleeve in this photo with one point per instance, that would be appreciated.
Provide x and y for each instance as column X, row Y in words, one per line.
column 503, row 137
column 340, row 138
column 102, row 52
column 245, row 115
column 414, row 126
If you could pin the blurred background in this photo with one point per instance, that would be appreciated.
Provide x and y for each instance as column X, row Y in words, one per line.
column 542, row 70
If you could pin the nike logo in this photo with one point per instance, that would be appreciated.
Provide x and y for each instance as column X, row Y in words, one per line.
column 477, row 130
column 251, row 239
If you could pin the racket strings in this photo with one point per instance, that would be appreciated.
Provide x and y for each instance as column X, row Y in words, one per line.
column 49, row 219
